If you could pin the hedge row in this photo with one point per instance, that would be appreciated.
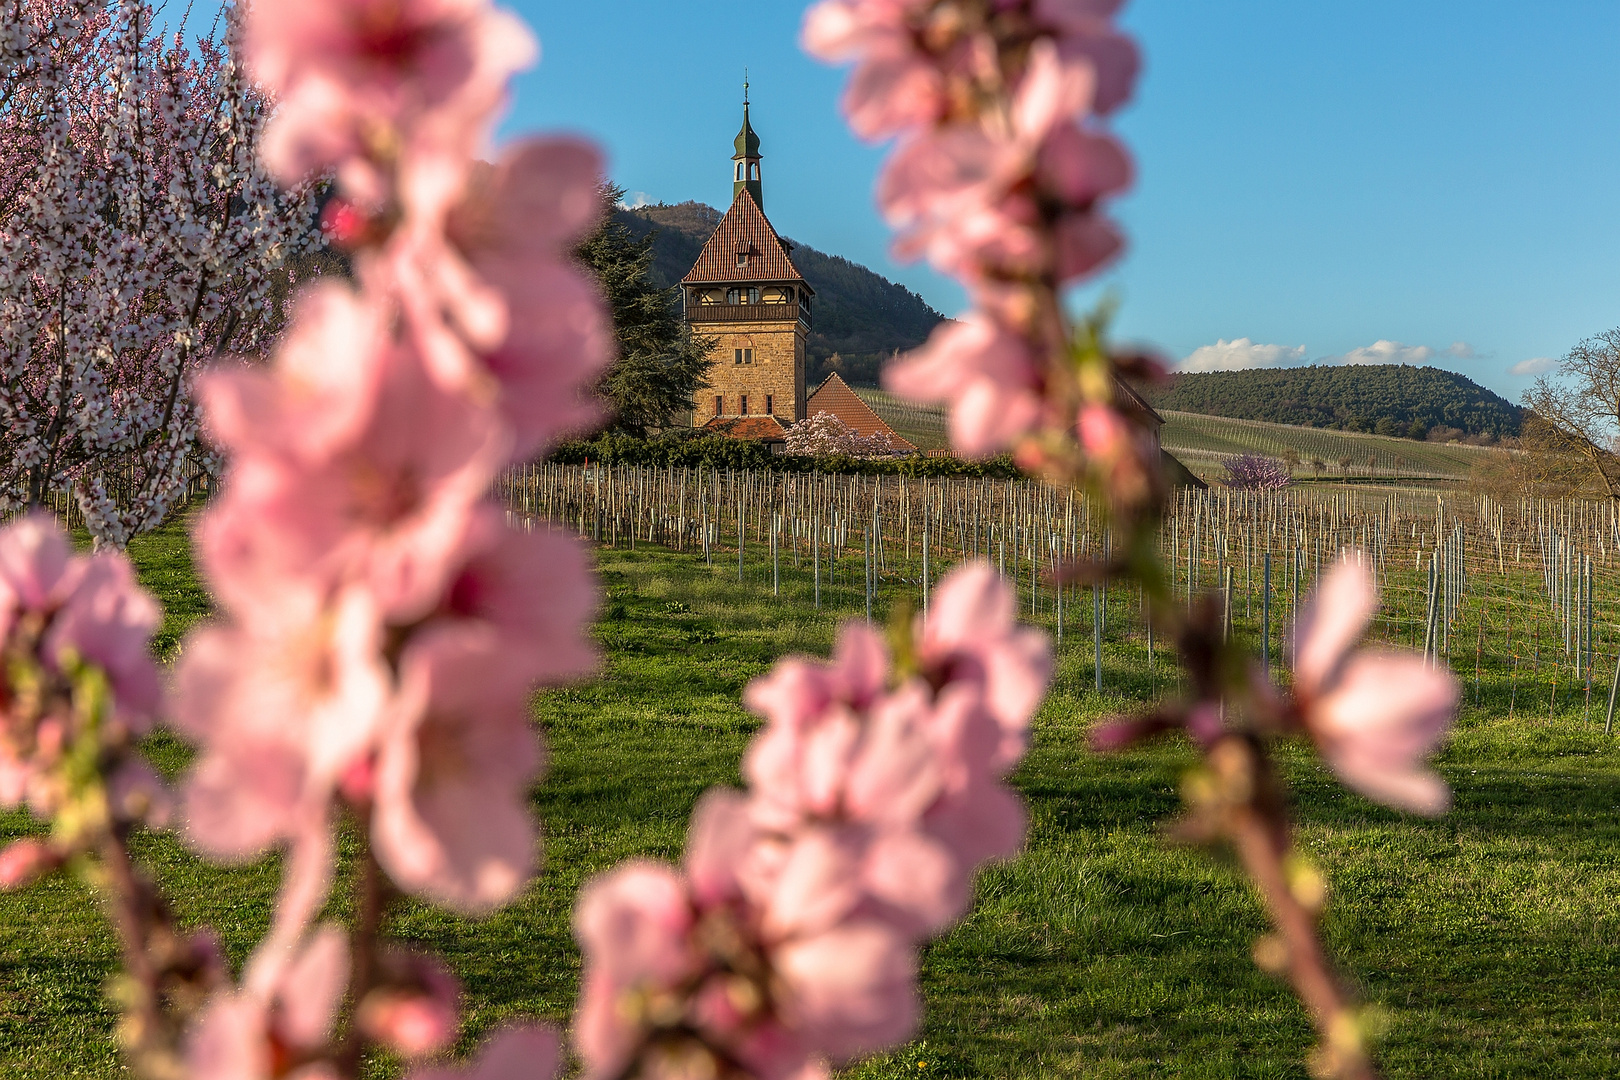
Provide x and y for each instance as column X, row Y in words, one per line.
column 722, row 452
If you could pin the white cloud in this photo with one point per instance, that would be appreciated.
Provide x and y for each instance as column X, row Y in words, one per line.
column 1240, row 355
column 1534, row 366
column 635, row 201
column 1386, row 352
column 1461, row 350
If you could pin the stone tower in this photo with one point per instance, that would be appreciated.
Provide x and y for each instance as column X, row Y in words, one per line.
column 745, row 291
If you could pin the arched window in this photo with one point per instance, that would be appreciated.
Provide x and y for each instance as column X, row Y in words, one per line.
column 739, row 170
column 754, row 170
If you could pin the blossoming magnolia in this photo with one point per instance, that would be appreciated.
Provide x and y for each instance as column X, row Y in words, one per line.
column 1375, row 714
column 790, row 936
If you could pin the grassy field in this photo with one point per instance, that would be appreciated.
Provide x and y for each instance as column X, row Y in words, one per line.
column 1488, row 937
column 1202, row 442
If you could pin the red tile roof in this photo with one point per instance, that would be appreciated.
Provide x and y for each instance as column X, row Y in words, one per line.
column 765, row 428
column 743, row 231
column 834, row 396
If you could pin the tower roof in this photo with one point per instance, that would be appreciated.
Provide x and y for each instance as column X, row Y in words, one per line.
column 747, row 142
column 744, row 231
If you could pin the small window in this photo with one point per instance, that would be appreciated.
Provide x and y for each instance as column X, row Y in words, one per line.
column 739, row 170
column 742, row 296
column 743, row 409
column 770, row 405
column 754, row 170
column 736, row 356
column 748, row 356
column 719, row 405
column 742, row 258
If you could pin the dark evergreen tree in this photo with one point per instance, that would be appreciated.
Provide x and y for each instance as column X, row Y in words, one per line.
column 661, row 363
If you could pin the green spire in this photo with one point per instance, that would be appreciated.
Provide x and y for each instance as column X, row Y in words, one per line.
column 745, row 162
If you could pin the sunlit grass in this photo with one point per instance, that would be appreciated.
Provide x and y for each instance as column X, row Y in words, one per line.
column 1487, row 937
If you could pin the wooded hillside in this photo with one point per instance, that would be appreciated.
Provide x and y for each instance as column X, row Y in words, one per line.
column 1387, row 399
column 860, row 318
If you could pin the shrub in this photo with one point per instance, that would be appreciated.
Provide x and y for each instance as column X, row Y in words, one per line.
column 681, row 449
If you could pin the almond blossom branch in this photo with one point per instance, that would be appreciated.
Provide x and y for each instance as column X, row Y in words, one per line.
column 999, row 170
column 79, row 687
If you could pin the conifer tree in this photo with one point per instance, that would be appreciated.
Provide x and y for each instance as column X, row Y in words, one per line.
column 661, row 363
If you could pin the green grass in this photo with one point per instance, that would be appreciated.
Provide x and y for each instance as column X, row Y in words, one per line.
column 1487, row 936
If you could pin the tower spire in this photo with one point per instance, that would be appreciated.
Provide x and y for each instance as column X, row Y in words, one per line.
column 745, row 162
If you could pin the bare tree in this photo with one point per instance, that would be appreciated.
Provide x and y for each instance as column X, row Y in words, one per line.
column 1579, row 404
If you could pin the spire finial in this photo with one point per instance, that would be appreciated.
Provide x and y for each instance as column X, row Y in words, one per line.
column 745, row 88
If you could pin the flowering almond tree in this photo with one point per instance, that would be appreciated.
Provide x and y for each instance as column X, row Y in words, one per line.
column 1256, row 472
column 381, row 625
column 825, row 433
column 139, row 240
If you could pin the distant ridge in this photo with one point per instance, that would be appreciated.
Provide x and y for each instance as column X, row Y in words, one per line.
column 860, row 317
column 1385, row 399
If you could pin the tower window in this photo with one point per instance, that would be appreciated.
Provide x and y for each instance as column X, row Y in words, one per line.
column 739, row 170
column 719, row 405
column 770, row 405
column 743, row 410
column 742, row 356
column 754, row 170
column 742, row 258
column 742, row 296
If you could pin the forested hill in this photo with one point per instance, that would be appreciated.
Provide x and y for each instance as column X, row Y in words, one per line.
column 860, row 319
column 1389, row 399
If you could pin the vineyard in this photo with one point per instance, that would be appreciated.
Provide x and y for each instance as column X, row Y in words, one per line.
column 922, row 425
column 1522, row 592
column 1201, row 442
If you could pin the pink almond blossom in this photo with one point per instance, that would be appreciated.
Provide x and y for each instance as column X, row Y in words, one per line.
column 524, row 314
column 985, row 373
column 681, row 968
column 896, row 85
column 24, row 861
column 416, row 1011
column 275, row 1032
column 535, row 590
column 91, row 608
column 282, row 712
column 530, row 1052
column 382, row 495
column 451, row 820
column 972, row 633
column 1376, row 715
column 361, row 83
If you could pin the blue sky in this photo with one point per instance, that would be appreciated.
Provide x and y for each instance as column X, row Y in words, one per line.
column 1430, row 180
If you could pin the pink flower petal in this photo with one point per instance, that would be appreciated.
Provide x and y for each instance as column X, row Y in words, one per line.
column 1382, row 718
column 530, row 1052
column 1331, row 623
column 452, row 821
